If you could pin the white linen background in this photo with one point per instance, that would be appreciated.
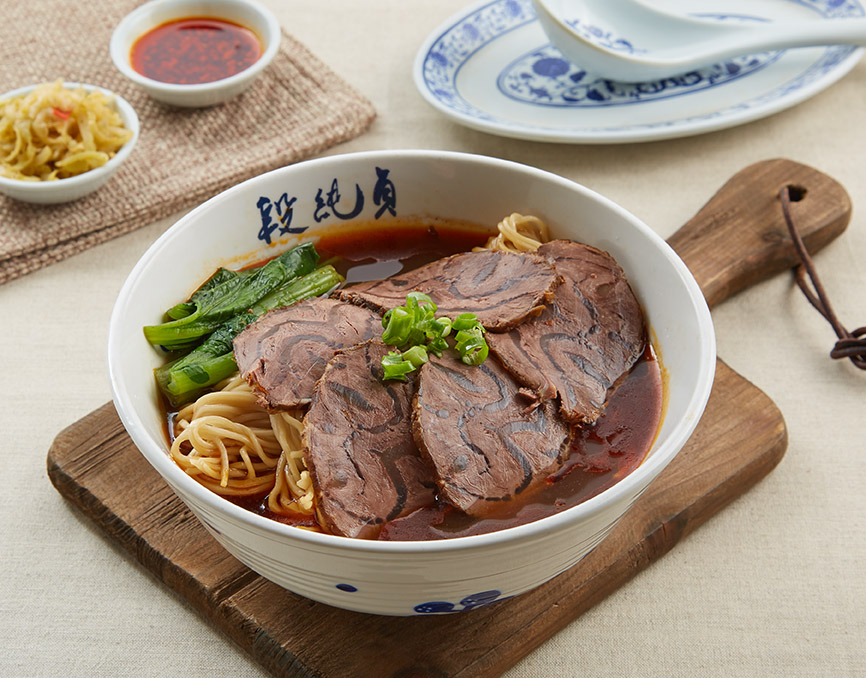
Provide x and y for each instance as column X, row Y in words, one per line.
column 772, row 586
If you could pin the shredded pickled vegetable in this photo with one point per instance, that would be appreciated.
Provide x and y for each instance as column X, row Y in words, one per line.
column 54, row 133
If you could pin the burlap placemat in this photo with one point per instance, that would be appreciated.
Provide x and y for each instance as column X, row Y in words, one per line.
column 297, row 108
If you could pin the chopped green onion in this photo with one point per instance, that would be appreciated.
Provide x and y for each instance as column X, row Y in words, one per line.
column 415, row 297
column 410, row 324
column 399, row 325
column 471, row 346
column 465, row 321
column 415, row 325
column 437, row 346
column 417, row 355
column 439, row 328
column 394, row 367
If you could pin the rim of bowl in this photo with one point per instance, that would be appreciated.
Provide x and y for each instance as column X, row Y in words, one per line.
column 123, row 31
column 130, row 121
column 158, row 457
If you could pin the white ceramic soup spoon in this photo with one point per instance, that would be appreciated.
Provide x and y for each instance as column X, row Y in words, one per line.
column 629, row 41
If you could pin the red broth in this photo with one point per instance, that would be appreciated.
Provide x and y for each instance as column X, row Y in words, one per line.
column 601, row 455
column 369, row 253
column 195, row 50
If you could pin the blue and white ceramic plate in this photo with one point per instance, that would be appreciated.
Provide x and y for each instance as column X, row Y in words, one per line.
column 492, row 68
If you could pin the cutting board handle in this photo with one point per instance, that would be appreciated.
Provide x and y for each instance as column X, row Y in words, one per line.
column 740, row 238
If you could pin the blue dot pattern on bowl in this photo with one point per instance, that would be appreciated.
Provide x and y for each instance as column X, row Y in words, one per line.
column 468, row 603
column 348, row 588
column 434, row 606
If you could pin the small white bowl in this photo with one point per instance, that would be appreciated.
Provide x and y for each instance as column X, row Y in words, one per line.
column 72, row 188
column 247, row 13
column 423, row 577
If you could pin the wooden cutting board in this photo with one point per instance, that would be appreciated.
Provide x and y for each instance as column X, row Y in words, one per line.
column 738, row 238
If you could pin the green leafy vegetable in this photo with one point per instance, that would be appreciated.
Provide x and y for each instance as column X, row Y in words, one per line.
column 233, row 295
column 192, row 379
column 213, row 360
column 315, row 284
column 200, row 296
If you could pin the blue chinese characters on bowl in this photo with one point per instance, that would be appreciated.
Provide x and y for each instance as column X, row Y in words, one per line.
column 277, row 213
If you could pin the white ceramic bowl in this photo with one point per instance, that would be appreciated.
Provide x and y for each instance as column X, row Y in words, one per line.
column 72, row 188
column 248, row 13
column 406, row 578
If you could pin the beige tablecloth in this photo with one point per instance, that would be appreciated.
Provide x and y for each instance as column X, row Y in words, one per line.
column 775, row 585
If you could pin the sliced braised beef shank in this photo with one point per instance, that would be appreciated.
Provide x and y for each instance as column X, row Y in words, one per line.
column 359, row 447
column 284, row 353
column 486, row 441
column 564, row 327
column 590, row 334
column 501, row 288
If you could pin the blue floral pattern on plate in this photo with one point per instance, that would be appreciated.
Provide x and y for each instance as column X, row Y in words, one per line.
column 542, row 78
column 452, row 49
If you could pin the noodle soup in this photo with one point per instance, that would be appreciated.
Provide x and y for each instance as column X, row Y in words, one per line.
column 255, row 456
column 409, row 577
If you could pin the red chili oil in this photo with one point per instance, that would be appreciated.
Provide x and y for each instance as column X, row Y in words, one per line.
column 195, row 50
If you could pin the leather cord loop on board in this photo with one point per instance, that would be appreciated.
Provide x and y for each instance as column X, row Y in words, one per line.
column 851, row 345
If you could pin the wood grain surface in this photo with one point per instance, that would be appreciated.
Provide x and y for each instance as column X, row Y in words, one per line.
column 740, row 238
column 742, row 436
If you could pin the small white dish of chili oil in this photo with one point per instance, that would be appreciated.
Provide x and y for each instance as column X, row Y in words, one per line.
column 195, row 53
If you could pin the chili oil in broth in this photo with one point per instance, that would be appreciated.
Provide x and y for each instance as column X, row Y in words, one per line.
column 601, row 454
